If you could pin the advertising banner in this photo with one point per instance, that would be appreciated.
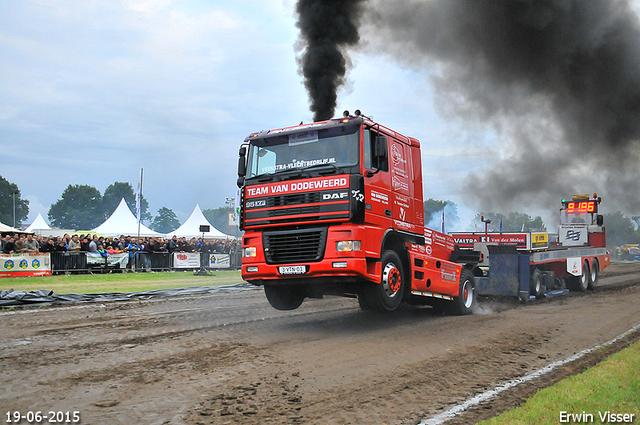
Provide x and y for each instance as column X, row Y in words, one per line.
column 467, row 240
column 97, row 259
column 186, row 260
column 27, row 264
column 219, row 261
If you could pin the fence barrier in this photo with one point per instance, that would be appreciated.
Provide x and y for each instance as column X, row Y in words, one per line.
column 12, row 265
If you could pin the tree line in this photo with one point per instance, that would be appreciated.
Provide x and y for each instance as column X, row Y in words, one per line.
column 84, row 207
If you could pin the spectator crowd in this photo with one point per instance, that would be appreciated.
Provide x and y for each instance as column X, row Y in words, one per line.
column 21, row 243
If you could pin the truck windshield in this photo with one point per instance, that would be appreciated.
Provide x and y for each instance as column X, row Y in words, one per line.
column 336, row 146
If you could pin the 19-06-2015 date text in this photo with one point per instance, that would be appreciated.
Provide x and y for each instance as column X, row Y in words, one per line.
column 42, row 417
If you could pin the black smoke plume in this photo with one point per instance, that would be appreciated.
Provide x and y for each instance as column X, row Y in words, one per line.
column 327, row 27
column 557, row 80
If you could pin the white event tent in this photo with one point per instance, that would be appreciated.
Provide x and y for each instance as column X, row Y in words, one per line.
column 123, row 222
column 37, row 225
column 9, row 229
column 191, row 227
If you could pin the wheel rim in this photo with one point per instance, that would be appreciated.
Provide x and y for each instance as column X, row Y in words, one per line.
column 538, row 285
column 467, row 294
column 391, row 280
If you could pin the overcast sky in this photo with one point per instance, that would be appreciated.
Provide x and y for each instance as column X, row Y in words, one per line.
column 93, row 91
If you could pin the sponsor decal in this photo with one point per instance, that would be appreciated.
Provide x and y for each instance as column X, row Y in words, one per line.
column 300, row 186
column 35, row 264
column 9, row 264
column 297, row 164
column 396, row 156
column 23, row 264
column 359, row 197
column 573, row 235
column 379, row 197
column 398, row 184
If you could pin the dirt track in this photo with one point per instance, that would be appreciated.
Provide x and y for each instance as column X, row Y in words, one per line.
column 231, row 358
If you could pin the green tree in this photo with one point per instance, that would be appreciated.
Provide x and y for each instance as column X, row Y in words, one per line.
column 219, row 218
column 165, row 221
column 513, row 222
column 433, row 214
column 80, row 208
column 9, row 191
column 620, row 229
column 118, row 190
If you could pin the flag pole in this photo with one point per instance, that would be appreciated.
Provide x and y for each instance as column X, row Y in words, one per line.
column 139, row 202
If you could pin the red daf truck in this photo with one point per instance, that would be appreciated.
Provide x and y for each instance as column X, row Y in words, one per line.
column 336, row 208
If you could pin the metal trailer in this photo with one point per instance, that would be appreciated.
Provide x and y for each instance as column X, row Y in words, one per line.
column 531, row 275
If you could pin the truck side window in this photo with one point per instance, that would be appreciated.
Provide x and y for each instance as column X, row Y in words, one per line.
column 370, row 162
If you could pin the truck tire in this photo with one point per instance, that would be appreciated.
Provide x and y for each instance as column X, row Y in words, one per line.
column 387, row 295
column 580, row 283
column 536, row 288
column 466, row 301
column 595, row 272
column 284, row 297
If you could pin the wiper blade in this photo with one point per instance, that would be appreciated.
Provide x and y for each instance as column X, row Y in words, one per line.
column 334, row 169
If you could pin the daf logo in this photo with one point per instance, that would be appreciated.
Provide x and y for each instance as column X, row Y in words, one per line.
column 329, row 196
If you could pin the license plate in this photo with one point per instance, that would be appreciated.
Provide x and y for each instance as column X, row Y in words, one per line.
column 292, row 269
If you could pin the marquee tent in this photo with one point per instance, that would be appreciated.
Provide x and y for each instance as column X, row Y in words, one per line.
column 8, row 229
column 38, row 224
column 123, row 222
column 191, row 227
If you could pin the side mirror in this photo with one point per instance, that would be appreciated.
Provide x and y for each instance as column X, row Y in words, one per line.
column 599, row 220
column 242, row 165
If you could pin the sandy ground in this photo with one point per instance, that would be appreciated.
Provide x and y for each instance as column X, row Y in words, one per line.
column 232, row 359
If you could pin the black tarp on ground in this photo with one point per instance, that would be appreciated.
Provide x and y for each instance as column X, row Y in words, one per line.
column 13, row 298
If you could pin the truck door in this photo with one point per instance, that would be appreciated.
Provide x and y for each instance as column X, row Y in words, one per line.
column 377, row 182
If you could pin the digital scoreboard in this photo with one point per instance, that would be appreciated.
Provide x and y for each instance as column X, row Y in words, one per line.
column 581, row 207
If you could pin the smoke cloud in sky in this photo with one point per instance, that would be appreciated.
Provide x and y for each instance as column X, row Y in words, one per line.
column 327, row 28
column 557, row 81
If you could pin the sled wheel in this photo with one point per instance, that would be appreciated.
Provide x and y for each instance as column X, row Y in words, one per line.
column 595, row 272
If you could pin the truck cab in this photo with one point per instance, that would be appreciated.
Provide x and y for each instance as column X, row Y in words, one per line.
column 335, row 207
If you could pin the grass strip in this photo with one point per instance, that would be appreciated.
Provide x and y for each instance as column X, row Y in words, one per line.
column 118, row 282
column 612, row 387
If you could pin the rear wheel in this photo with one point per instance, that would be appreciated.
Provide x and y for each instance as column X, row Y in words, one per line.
column 387, row 295
column 535, row 284
column 595, row 272
column 465, row 302
column 284, row 297
column 580, row 283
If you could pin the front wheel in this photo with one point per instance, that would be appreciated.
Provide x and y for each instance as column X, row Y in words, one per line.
column 466, row 301
column 386, row 295
column 284, row 297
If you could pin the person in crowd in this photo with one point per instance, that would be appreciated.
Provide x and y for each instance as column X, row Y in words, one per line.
column 74, row 245
column 100, row 249
column 5, row 240
column 49, row 245
column 61, row 246
column 9, row 246
column 93, row 244
column 174, row 244
column 31, row 244
column 20, row 246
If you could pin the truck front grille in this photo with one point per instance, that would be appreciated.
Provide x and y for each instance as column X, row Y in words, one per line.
column 294, row 246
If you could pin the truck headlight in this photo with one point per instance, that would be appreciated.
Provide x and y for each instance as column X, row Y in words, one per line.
column 346, row 246
column 250, row 251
